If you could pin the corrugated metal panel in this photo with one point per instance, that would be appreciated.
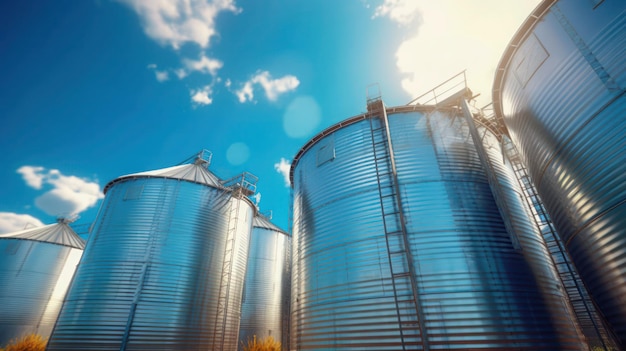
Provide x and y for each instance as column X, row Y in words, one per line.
column 591, row 322
column 476, row 290
column 567, row 120
column 151, row 273
column 228, row 338
column 35, row 276
column 265, row 306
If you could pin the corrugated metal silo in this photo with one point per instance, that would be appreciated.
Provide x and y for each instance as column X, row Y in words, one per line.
column 164, row 266
column 559, row 89
column 403, row 246
column 265, row 307
column 36, row 267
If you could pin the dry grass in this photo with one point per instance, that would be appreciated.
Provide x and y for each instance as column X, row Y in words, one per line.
column 266, row 344
column 30, row 342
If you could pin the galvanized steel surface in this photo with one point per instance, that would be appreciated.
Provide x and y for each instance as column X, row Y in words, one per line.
column 560, row 90
column 35, row 276
column 226, row 335
column 592, row 325
column 477, row 287
column 152, row 269
column 267, row 289
column 59, row 233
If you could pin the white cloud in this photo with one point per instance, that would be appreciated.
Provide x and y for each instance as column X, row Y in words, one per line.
column 32, row 176
column 13, row 222
column 69, row 195
column 202, row 96
column 401, row 11
column 273, row 87
column 181, row 73
column 455, row 36
column 204, row 65
column 178, row 22
column 246, row 93
column 283, row 168
column 175, row 22
column 162, row 76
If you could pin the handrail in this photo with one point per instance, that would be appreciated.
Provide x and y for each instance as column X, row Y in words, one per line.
column 437, row 96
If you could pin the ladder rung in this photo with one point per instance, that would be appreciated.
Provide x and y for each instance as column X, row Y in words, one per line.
column 392, row 213
column 401, row 275
column 382, row 176
column 397, row 252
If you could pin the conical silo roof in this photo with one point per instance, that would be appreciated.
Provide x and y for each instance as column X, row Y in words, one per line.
column 59, row 233
column 261, row 221
column 196, row 172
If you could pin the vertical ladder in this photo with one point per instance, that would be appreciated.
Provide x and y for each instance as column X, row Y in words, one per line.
column 592, row 322
column 219, row 334
column 403, row 277
column 587, row 314
column 236, row 188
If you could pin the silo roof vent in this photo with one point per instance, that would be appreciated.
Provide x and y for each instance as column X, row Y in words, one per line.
column 59, row 233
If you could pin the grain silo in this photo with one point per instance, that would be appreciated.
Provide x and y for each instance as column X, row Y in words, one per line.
column 559, row 89
column 36, row 267
column 164, row 266
column 399, row 242
column 265, row 306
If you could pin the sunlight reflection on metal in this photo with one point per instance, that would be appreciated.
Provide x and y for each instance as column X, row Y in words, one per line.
column 164, row 266
column 36, row 267
column 560, row 89
column 267, row 288
column 476, row 286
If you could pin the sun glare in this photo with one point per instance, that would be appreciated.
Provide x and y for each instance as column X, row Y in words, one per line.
column 459, row 35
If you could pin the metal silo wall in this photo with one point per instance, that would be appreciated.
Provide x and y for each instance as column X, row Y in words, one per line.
column 236, row 280
column 562, row 99
column 35, row 277
column 476, row 289
column 151, row 272
column 265, row 306
column 532, row 242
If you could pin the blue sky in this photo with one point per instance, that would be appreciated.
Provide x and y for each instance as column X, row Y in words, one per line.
column 94, row 89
